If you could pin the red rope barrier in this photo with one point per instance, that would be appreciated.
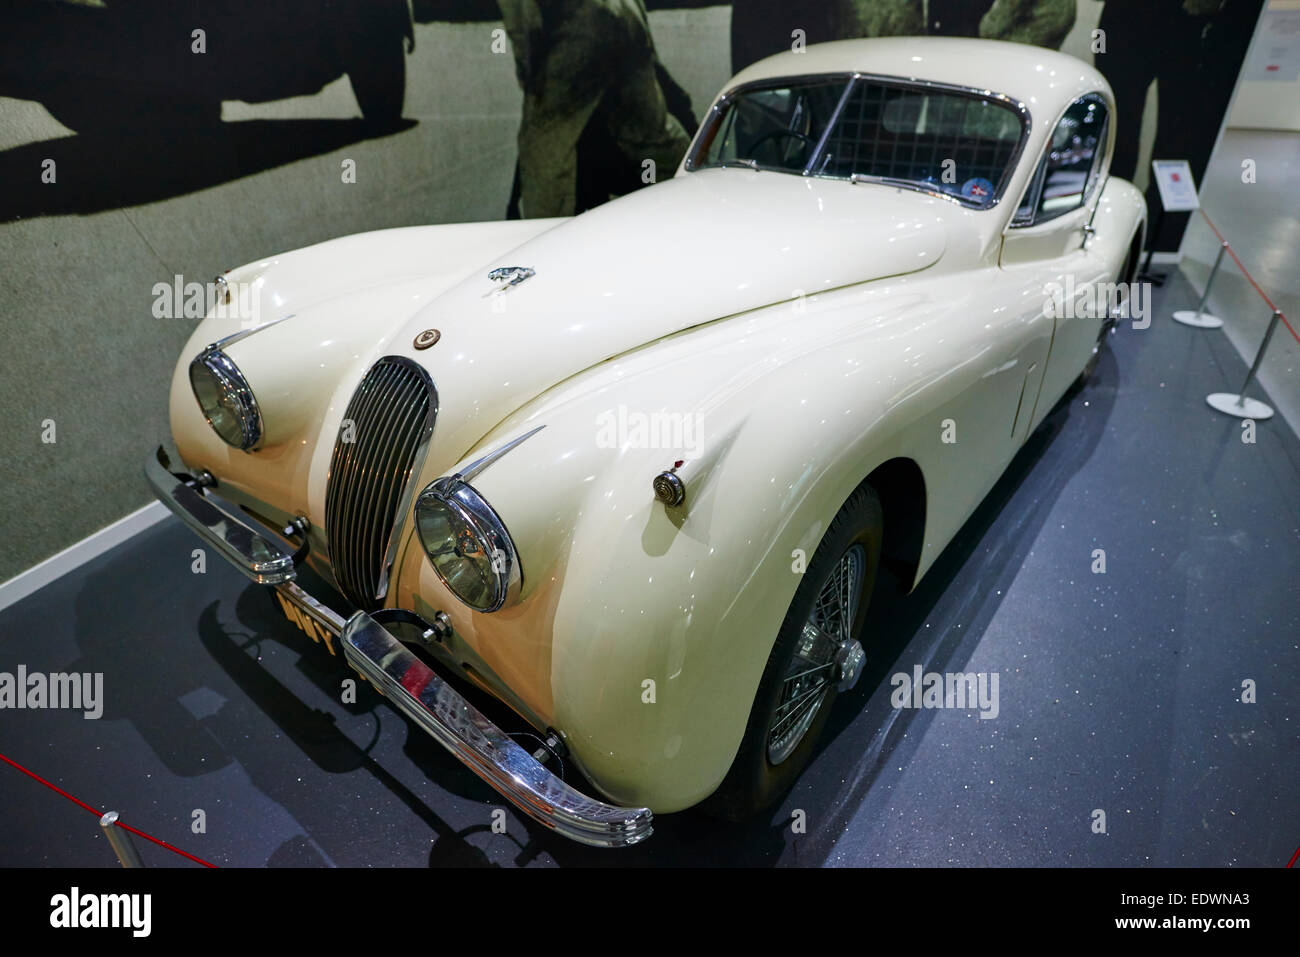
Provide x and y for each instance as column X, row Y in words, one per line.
column 83, row 804
column 177, row 850
column 52, row 787
column 1246, row 272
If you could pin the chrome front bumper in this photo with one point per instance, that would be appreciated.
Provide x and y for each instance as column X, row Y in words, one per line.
column 408, row 683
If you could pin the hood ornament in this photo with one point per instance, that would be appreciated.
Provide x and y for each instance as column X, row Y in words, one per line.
column 508, row 276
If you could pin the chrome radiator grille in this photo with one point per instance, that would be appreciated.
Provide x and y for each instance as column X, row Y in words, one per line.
column 384, row 433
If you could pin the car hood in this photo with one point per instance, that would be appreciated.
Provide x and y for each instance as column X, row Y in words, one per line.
column 698, row 248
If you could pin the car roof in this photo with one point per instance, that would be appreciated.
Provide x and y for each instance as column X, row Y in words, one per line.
column 1044, row 80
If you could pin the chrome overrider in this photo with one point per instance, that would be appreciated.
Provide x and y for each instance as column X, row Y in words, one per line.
column 408, row 683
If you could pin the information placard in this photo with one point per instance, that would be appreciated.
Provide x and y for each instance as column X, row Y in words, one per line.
column 1177, row 190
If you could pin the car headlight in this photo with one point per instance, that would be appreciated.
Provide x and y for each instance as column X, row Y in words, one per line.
column 467, row 544
column 225, row 399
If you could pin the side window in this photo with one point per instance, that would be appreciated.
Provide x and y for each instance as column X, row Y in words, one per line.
column 1071, row 164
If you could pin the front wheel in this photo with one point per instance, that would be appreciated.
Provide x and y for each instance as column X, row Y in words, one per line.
column 1126, row 278
column 817, row 653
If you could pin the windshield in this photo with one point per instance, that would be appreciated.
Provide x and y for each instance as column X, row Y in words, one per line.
column 958, row 144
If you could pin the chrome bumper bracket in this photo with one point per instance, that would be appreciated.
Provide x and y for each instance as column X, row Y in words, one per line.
column 259, row 558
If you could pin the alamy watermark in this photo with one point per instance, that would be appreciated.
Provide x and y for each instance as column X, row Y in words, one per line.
column 962, row 690
column 82, row 691
column 623, row 428
column 1095, row 300
column 219, row 299
column 74, row 909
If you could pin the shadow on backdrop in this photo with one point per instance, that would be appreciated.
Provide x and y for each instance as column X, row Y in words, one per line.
column 98, row 172
column 146, row 63
column 142, row 82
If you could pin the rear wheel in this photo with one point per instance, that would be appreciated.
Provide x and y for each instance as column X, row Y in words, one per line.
column 817, row 652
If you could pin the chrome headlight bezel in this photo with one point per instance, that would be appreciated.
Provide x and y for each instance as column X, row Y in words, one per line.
column 459, row 500
column 237, row 395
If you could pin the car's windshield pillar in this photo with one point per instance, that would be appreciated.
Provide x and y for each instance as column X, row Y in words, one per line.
column 830, row 125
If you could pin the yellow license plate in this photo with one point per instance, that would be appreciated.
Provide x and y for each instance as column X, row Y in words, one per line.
column 305, row 622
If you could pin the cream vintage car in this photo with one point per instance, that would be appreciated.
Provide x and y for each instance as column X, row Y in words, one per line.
column 632, row 473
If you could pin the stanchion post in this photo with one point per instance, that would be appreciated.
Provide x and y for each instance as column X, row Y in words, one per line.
column 1259, row 356
column 1218, row 261
column 1199, row 319
column 1239, row 405
column 120, row 841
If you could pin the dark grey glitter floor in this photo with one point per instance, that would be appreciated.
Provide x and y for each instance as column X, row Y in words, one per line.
column 1119, row 692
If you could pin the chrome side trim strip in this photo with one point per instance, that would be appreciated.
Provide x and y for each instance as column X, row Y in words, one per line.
column 232, row 338
column 417, row 691
column 245, row 333
column 479, row 464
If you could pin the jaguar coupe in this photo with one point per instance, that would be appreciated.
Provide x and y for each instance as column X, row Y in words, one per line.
column 633, row 473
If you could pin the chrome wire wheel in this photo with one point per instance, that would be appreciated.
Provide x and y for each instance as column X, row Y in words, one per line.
column 1108, row 325
column 812, row 670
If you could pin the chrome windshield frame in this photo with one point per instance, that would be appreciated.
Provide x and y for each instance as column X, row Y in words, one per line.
column 709, row 129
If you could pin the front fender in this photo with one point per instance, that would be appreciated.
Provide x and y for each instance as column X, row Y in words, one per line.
column 642, row 631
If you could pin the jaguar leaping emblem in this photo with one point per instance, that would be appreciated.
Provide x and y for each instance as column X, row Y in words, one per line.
column 508, row 276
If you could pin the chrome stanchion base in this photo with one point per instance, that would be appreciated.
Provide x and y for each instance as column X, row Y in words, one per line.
column 1240, row 406
column 1200, row 320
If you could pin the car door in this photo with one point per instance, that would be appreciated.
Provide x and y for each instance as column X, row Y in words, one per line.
column 1045, row 246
